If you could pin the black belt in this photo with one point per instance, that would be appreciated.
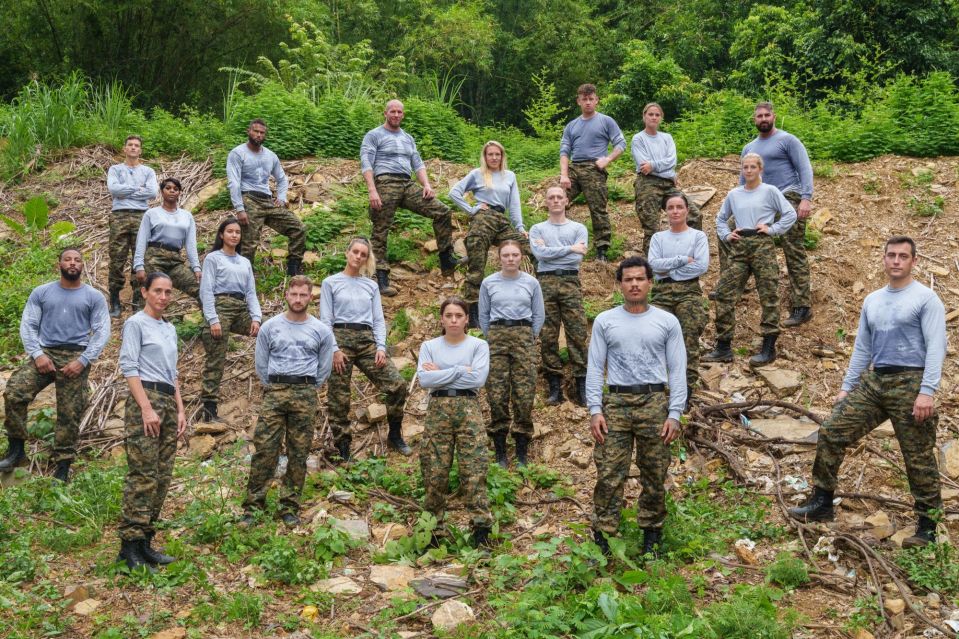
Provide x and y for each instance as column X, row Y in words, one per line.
column 637, row 389
column 892, row 370
column 160, row 387
column 236, row 296
column 257, row 195
column 128, row 211
column 169, row 247
column 747, row 232
column 509, row 322
column 497, row 207
column 669, row 280
column 292, row 379
column 454, row 392
column 353, row 326
column 569, row 271
column 77, row 348
column 575, row 162
column 402, row 176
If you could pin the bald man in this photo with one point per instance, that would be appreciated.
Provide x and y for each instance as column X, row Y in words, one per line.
column 388, row 158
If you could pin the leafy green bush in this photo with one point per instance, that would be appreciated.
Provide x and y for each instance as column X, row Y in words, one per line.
column 344, row 123
column 787, row 571
column 27, row 267
column 282, row 561
column 439, row 131
column 193, row 133
column 935, row 567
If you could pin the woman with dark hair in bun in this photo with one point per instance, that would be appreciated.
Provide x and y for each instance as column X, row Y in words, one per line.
column 164, row 232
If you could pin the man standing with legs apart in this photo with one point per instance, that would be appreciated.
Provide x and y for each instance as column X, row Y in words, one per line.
column 902, row 335
column 65, row 325
column 294, row 355
column 640, row 349
column 388, row 157
column 583, row 160
column 132, row 186
column 559, row 245
column 787, row 167
column 248, row 170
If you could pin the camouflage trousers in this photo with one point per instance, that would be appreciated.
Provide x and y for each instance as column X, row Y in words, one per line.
column 173, row 264
column 401, row 192
column 876, row 399
column 756, row 256
column 487, row 228
column 234, row 318
column 454, row 425
column 149, row 465
column 797, row 265
column 512, row 379
column 650, row 191
column 632, row 419
column 27, row 382
column 286, row 416
column 124, row 226
column 563, row 299
column 685, row 301
column 590, row 180
column 262, row 212
column 360, row 349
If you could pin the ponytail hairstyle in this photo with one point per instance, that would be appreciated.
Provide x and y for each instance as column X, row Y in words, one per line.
column 368, row 269
column 509, row 243
column 456, row 301
column 218, row 239
column 485, row 170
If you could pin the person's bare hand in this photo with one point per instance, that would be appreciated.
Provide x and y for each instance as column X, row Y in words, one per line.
column 428, row 192
column 646, row 167
column 339, row 362
column 216, row 330
column 73, row 369
column 44, row 364
column 180, row 424
column 670, row 431
column 564, row 182
column 429, row 366
column 762, row 228
column 151, row 423
column 380, row 360
column 924, row 407
column 243, row 218
column 602, row 162
column 804, row 210
column 734, row 236
column 597, row 424
column 141, row 276
column 375, row 202
column 579, row 247
column 254, row 328
column 841, row 395
column 198, row 275
column 279, row 203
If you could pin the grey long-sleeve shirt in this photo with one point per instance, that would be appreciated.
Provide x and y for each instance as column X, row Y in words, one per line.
column 659, row 150
column 900, row 327
column 249, row 171
column 754, row 207
column 132, row 187
column 55, row 315
column 224, row 273
column 636, row 348
column 584, row 140
column 174, row 229
column 353, row 300
column 503, row 192
column 669, row 254
column 149, row 349
column 516, row 298
column 786, row 164
column 385, row 151
column 284, row 347
column 550, row 244
column 453, row 359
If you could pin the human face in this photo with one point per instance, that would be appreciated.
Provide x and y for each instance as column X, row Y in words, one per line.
column 453, row 320
column 71, row 265
column 256, row 134
column 171, row 194
column 510, row 258
column 357, row 255
column 898, row 261
column 764, row 119
column 159, row 295
column 298, row 298
column 751, row 171
column 652, row 118
column 587, row 103
column 494, row 157
column 556, row 200
column 394, row 114
column 231, row 235
column 635, row 285
column 132, row 149
column 677, row 211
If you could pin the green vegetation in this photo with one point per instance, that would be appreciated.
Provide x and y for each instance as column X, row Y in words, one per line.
column 934, row 567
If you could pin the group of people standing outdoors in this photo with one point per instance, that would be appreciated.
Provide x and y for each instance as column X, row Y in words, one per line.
column 636, row 377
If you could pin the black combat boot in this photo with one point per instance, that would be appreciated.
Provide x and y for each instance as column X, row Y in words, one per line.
column 131, row 552
column 522, row 448
column 722, row 353
column 343, row 447
column 290, row 519
column 817, row 508
column 294, row 266
column 651, row 539
column 62, row 473
column 480, row 536
column 799, row 315
column 155, row 557
column 600, row 538
column 925, row 534
column 581, row 391
column 115, row 305
column 767, row 355
column 15, row 455
column 395, row 438
column 689, row 398
column 499, row 445
column 448, row 261
column 474, row 315
column 383, row 281
column 601, row 254
column 555, row 396
column 209, row 412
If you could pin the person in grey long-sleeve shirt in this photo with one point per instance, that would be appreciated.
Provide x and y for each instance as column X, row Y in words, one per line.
column 659, row 150
column 502, row 192
column 174, row 230
column 249, row 167
column 637, row 350
column 346, row 299
column 902, row 335
column 149, row 349
column 224, row 274
column 132, row 186
column 463, row 366
column 517, row 297
column 64, row 327
column 752, row 207
column 583, row 159
column 294, row 348
column 786, row 166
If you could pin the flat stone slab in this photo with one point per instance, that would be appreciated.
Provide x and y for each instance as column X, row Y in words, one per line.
column 787, row 428
column 439, row 586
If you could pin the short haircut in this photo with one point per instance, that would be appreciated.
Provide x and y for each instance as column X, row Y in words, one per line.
column 752, row 156
column 586, row 89
column 257, row 121
column 901, row 239
column 171, row 180
column 67, row 250
column 633, row 262
column 555, row 186
column 765, row 104
column 299, row 280
column 671, row 195
column 133, row 137
column 154, row 276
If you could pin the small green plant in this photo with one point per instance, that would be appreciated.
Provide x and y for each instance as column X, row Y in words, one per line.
column 934, row 567
column 246, row 608
column 411, row 546
column 282, row 561
column 927, row 206
column 822, row 169
column 841, row 335
column 399, row 328
column 787, row 571
column 871, row 184
column 330, row 543
column 812, row 238
column 407, row 372
column 544, row 110
column 866, row 614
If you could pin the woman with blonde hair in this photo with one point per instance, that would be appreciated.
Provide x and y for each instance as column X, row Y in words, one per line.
column 350, row 304
column 497, row 196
